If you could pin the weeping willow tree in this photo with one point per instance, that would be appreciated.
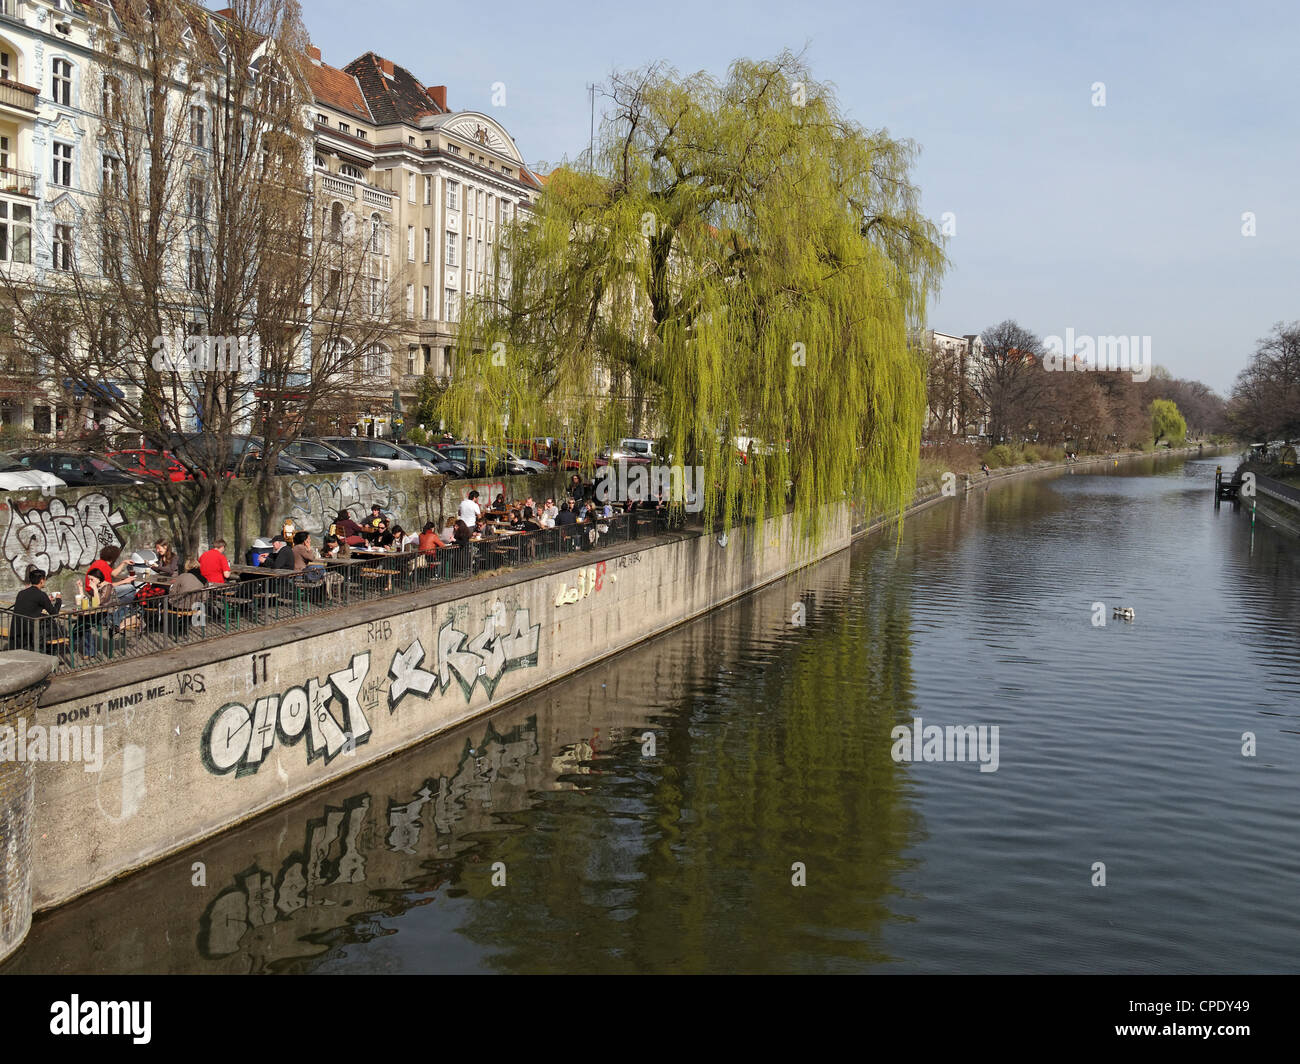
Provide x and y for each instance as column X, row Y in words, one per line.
column 737, row 259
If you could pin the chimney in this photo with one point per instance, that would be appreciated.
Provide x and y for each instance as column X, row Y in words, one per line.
column 386, row 65
column 438, row 94
column 226, row 12
column 313, row 52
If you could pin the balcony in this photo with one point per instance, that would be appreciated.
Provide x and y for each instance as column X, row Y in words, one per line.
column 17, row 182
column 338, row 186
column 382, row 200
column 17, row 98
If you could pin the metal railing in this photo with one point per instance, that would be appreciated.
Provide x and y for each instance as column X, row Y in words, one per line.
column 149, row 619
column 16, row 182
column 16, row 94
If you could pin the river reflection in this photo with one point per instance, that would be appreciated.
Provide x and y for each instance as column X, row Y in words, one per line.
column 653, row 813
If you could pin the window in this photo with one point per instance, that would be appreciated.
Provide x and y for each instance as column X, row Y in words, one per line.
column 410, row 187
column 410, row 243
column 424, row 303
column 62, row 169
column 410, row 301
column 111, row 174
column 6, row 66
column 453, row 190
column 336, row 223
column 453, row 310
column 321, row 119
column 451, row 249
column 454, row 149
column 61, row 81
column 361, row 134
column 332, row 284
column 428, row 242
column 411, row 355
column 195, row 201
column 410, row 141
column 15, row 232
column 428, row 144
column 376, row 235
column 111, row 98
column 4, row 153
column 62, row 247
column 348, row 170
column 428, row 190
column 194, row 271
column 320, row 161
column 197, row 132
column 376, row 303
column 344, row 127
column 110, row 253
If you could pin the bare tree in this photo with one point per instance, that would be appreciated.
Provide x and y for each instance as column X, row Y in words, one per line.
column 1008, row 379
column 205, row 294
column 1265, row 402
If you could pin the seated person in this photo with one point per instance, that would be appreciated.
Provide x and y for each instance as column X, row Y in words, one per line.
column 375, row 523
column 185, row 588
column 25, row 632
column 387, row 538
column 565, row 516
column 108, row 570
column 213, row 565
column 281, row 554
column 261, row 549
column 335, row 548
column 529, row 523
column 304, row 553
column 348, row 531
column 167, row 564
column 429, row 540
column 462, row 533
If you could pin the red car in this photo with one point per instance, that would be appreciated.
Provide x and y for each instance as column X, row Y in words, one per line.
column 151, row 464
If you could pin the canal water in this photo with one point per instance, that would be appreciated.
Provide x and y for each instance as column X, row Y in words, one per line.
column 657, row 812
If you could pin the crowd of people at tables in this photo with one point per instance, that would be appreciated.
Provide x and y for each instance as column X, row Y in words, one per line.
column 112, row 581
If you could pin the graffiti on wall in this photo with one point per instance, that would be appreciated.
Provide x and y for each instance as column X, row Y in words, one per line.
column 499, row 647
column 239, row 737
column 331, row 713
column 54, row 535
column 315, row 502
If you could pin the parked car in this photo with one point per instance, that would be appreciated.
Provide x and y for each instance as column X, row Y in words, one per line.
column 14, row 476
column 285, row 465
column 479, row 461
column 151, row 465
column 387, row 454
column 444, row 465
column 325, row 458
column 77, row 469
column 641, row 448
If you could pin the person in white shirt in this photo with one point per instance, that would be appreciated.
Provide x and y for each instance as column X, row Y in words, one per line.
column 470, row 510
column 549, row 513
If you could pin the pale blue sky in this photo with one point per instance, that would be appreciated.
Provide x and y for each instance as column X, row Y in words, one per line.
column 1123, row 219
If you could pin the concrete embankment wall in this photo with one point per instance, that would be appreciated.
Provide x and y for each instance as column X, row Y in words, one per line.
column 65, row 532
column 198, row 739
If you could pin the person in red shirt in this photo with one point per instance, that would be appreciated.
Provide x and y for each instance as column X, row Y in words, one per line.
column 213, row 565
column 429, row 539
column 106, row 570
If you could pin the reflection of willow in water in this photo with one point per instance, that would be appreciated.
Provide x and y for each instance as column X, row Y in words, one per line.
column 776, row 752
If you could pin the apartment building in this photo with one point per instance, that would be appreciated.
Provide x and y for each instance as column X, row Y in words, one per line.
column 433, row 186
column 49, row 107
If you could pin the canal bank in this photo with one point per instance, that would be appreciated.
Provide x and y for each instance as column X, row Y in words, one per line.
column 195, row 742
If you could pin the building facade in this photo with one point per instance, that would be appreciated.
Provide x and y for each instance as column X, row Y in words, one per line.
column 434, row 187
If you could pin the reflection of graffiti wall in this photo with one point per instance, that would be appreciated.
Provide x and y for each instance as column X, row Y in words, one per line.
column 333, row 856
column 54, row 535
column 315, row 501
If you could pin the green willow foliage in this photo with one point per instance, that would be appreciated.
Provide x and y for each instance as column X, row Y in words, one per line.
column 739, row 260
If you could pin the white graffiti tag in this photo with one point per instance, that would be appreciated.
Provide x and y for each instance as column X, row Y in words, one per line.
column 56, row 536
column 486, row 658
column 240, row 738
